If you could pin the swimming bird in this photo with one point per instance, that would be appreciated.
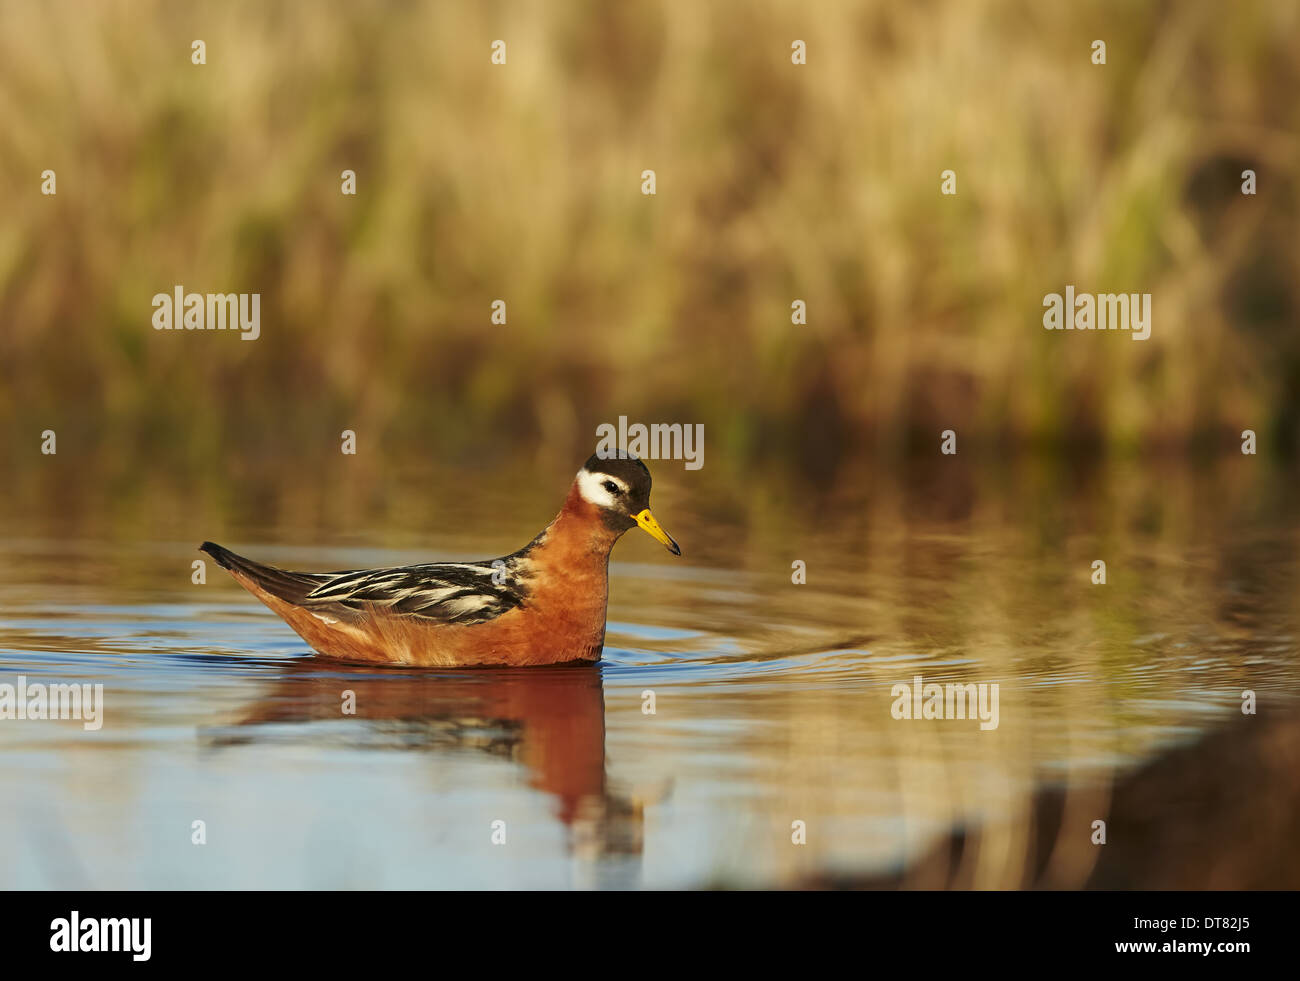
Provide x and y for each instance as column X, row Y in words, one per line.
column 544, row 604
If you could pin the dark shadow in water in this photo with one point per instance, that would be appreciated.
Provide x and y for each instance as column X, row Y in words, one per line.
column 551, row 722
column 1221, row 813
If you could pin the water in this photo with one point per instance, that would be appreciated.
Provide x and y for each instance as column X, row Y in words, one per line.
column 771, row 700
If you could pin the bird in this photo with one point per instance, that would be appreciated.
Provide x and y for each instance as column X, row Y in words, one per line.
column 544, row 604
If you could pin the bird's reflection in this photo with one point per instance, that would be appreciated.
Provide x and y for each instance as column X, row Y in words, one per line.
column 551, row 722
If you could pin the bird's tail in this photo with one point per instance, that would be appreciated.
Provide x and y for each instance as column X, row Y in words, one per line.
column 292, row 587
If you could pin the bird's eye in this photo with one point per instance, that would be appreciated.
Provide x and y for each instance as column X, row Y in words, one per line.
column 610, row 486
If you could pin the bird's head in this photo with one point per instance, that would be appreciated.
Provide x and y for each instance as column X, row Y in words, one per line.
column 619, row 488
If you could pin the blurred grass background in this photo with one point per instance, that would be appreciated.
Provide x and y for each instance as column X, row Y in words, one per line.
column 522, row 182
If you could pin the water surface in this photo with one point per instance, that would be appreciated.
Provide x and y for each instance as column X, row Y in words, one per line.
column 771, row 699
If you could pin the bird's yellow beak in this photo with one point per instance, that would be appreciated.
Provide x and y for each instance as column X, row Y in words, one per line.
column 647, row 521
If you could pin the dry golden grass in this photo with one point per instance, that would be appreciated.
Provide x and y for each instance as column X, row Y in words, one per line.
column 522, row 182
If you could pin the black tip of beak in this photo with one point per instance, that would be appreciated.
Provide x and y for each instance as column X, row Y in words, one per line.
column 675, row 549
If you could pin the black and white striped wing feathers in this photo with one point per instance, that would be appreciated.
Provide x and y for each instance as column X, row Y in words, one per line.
column 451, row 593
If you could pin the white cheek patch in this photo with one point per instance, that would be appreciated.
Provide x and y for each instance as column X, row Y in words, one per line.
column 592, row 488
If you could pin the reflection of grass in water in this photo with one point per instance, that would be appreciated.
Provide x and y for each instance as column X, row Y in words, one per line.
column 970, row 576
column 522, row 183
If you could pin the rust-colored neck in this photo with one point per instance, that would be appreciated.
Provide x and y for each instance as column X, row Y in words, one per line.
column 579, row 530
column 570, row 566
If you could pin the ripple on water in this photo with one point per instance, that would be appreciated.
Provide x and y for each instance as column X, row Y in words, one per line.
column 768, row 700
